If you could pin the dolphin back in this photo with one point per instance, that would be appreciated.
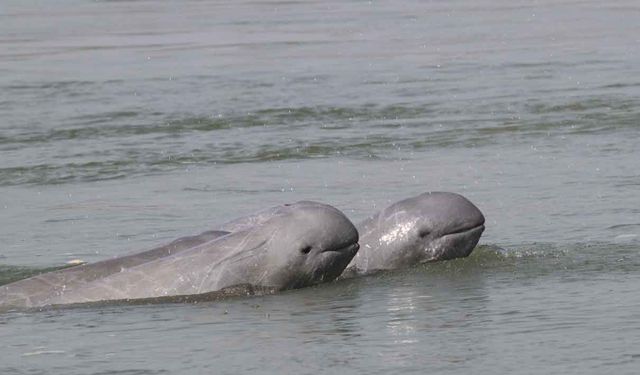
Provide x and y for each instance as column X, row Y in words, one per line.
column 38, row 289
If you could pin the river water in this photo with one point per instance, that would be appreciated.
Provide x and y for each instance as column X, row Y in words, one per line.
column 127, row 124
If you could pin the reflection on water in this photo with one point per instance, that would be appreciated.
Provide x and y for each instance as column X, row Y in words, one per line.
column 463, row 314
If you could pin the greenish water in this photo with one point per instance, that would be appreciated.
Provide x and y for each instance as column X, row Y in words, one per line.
column 126, row 124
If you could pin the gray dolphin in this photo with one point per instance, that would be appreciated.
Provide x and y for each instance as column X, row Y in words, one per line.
column 429, row 227
column 299, row 244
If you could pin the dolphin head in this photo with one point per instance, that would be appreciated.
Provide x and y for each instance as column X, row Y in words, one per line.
column 450, row 225
column 429, row 227
column 308, row 243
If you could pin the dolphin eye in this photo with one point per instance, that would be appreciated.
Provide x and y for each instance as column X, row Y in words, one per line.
column 423, row 233
column 305, row 250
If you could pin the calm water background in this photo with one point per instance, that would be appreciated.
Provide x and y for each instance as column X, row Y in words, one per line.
column 126, row 124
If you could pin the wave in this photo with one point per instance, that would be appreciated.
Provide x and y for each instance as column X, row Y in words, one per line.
column 532, row 260
column 118, row 144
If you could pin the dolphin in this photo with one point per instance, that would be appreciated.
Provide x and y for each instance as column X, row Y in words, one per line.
column 298, row 245
column 430, row 227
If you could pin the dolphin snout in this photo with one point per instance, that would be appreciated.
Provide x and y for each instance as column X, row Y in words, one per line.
column 463, row 214
column 349, row 249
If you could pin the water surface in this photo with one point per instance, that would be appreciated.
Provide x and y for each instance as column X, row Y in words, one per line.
column 126, row 124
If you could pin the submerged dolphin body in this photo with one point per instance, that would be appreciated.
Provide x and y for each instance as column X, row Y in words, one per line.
column 429, row 227
column 300, row 244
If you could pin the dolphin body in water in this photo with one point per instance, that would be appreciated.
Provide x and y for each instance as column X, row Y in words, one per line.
column 430, row 227
column 297, row 245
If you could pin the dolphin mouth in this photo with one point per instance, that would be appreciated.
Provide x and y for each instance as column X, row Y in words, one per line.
column 458, row 244
column 479, row 227
column 349, row 249
column 336, row 261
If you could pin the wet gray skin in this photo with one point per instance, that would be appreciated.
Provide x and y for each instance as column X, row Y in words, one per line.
column 429, row 227
column 300, row 244
column 79, row 275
